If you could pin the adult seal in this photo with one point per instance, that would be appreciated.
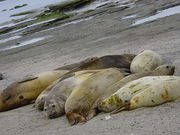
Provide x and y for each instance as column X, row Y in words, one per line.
column 146, row 61
column 81, row 104
column 148, row 91
column 165, row 89
column 111, row 101
column 25, row 91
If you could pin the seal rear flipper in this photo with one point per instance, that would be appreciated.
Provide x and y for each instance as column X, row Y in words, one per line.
column 32, row 102
column 91, row 114
column 75, row 118
column 121, row 108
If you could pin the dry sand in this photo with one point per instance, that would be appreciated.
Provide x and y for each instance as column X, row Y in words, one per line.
column 105, row 34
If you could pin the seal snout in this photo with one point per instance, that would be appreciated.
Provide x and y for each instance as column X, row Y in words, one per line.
column 50, row 111
column 172, row 68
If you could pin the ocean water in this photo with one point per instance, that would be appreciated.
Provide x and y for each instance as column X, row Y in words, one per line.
column 7, row 7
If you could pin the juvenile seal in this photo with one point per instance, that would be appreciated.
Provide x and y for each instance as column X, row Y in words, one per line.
column 25, row 91
column 161, row 89
column 110, row 101
column 146, row 61
column 69, row 80
column 81, row 104
column 39, row 102
column 55, row 100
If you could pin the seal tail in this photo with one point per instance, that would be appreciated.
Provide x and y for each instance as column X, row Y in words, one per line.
column 121, row 108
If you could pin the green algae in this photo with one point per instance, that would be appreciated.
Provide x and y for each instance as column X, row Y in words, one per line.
column 111, row 103
column 69, row 5
column 19, row 6
column 4, row 10
column 88, row 11
column 24, row 13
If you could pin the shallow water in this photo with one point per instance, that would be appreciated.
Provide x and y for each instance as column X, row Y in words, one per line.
column 31, row 25
column 6, row 25
column 68, row 23
column 5, row 15
column 26, row 42
column 160, row 14
column 77, row 21
column 129, row 16
column 9, row 39
column 35, row 24
column 8, row 5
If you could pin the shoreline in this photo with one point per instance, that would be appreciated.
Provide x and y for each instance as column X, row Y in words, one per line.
column 106, row 33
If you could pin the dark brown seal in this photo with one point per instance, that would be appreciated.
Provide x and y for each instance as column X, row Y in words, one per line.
column 108, row 61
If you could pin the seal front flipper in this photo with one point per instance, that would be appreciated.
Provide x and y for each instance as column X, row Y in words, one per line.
column 75, row 118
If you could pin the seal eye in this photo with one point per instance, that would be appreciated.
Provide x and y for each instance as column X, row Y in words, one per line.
column 45, row 109
column 167, row 66
column 53, row 105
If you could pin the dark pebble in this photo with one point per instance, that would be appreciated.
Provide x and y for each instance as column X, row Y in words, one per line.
column 1, row 76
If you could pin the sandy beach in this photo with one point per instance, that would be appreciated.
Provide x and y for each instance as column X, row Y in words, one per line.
column 106, row 31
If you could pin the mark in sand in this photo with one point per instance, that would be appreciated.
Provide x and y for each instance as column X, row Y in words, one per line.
column 27, row 42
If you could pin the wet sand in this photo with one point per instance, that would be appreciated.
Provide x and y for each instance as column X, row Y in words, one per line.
column 106, row 33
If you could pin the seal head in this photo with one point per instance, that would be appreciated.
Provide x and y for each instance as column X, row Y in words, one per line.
column 54, row 108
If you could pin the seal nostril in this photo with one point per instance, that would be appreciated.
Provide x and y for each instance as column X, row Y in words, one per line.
column 45, row 109
column 21, row 97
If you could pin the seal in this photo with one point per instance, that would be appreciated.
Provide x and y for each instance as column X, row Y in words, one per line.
column 146, row 61
column 111, row 101
column 39, row 103
column 108, row 61
column 75, row 65
column 25, row 91
column 161, row 89
column 55, row 100
column 81, row 104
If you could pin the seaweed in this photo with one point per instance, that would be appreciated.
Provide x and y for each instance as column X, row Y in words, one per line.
column 19, row 6
column 88, row 11
column 24, row 13
column 69, row 5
